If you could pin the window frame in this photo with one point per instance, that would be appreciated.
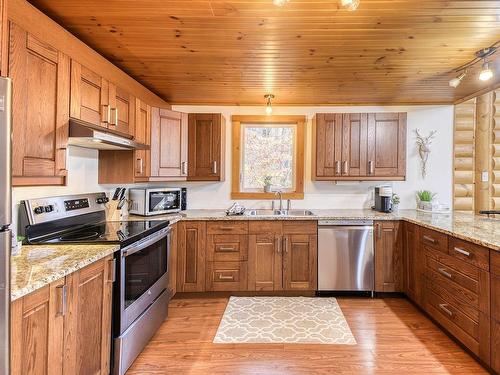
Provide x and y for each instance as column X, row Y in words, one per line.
column 237, row 122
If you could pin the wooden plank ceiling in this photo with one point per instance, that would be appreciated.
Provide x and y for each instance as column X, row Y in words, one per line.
column 307, row 52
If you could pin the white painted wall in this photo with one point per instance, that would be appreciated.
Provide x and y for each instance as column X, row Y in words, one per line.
column 82, row 164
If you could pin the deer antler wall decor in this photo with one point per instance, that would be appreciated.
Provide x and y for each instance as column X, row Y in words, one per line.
column 424, row 149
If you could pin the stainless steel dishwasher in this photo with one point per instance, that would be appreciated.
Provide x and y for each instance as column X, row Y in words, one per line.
column 345, row 255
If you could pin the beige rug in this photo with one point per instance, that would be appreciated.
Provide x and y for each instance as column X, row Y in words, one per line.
column 301, row 320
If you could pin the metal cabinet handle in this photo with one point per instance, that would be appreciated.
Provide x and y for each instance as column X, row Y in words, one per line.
column 226, row 228
column 226, row 248
column 278, row 244
column 337, row 167
column 344, row 167
column 112, row 273
column 214, row 167
column 462, row 251
column 285, row 244
column 429, row 239
column 184, row 167
column 222, row 277
column 63, row 305
column 106, row 112
column 370, row 167
column 116, row 116
column 442, row 306
column 379, row 231
column 140, row 165
column 443, row 272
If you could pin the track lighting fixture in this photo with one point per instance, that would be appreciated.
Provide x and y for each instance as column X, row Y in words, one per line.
column 269, row 106
column 486, row 72
column 349, row 4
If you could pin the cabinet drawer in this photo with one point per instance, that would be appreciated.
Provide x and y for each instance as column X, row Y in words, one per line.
column 227, row 247
column 226, row 276
column 300, row 227
column 470, row 253
column 227, row 227
column 433, row 239
column 446, row 272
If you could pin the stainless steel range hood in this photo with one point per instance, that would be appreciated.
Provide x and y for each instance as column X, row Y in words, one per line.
column 84, row 134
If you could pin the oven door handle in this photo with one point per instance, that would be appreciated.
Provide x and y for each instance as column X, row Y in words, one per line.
column 140, row 245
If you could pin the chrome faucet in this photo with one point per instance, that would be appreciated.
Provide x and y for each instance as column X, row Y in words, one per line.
column 280, row 193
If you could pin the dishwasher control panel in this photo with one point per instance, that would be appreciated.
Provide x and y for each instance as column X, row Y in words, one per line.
column 347, row 222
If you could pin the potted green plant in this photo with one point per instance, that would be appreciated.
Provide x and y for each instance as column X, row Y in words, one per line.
column 395, row 201
column 425, row 198
column 267, row 184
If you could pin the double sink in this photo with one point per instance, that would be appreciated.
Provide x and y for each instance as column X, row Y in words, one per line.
column 279, row 213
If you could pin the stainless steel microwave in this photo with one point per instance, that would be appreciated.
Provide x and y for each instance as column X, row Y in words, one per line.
column 147, row 202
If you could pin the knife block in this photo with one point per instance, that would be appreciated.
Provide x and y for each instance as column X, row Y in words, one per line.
column 112, row 211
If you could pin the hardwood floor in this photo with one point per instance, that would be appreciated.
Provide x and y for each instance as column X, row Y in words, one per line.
column 393, row 338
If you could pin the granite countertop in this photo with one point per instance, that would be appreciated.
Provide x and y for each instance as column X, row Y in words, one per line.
column 39, row 265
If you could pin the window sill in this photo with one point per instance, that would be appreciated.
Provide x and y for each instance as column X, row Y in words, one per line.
column 256, row 195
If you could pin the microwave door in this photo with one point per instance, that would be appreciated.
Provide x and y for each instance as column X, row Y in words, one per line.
column 159, row 202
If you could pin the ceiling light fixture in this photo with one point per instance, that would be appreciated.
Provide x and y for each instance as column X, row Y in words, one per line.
column 280, row 3
column 269, row 106
column 349, row 4
column 455, row 82
column 486, row 72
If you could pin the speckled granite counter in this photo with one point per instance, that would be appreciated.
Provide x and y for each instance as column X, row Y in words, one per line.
column 469, row 227
column 40, row 265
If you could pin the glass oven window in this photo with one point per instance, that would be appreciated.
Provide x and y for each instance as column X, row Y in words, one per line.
column 143, row 269
column 160, row 201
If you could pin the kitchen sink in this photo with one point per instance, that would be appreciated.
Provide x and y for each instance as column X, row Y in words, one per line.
column 279, row 213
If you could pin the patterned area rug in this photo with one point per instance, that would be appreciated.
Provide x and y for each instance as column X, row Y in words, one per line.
column 301, row 320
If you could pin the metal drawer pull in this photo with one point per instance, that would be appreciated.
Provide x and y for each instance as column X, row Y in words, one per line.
column 337, row 167
column 442, row 306
column 443, row 272
column 226, row 248
column 370, row 167
column 429, row 239
column 462, row 251
column 222, row 277
column 184, row 167
column 214, row 167
column 112, row 274
column 63, row 300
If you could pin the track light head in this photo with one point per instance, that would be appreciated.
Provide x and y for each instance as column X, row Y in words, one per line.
column 455, row 82
column 486, row 72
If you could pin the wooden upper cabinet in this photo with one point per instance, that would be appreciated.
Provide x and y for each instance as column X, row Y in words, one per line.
column 89, row 96
column 359, row 146
column 122, row 110
column 169, row 144
column 40, row 102
column 387, row 145
column 142, row 135
column 388, row 257
column 206, row 148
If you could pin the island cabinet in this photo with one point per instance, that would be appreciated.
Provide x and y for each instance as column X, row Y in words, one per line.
column 495, row 310
column 207, row 146
column 65, row 327
column 282, row 255
column 359, row 146
column 388, row 257
column 457, row 289
column 40, row 109
column 169, row 145
column 191, row 252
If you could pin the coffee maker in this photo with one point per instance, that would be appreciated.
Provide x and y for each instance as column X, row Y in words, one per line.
column 383, row 196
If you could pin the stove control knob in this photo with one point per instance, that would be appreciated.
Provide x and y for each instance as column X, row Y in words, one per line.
column 38, row 210
column 102, row 200
column 49, row 208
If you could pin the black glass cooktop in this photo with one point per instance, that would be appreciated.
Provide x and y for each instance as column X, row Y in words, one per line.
column 121, row 232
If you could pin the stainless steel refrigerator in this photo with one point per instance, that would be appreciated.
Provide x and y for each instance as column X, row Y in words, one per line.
column 5, row 220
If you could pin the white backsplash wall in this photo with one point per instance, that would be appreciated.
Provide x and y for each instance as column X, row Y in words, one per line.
column 82, row 165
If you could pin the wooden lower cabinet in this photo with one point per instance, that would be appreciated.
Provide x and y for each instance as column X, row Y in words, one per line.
column 495, row 310
column 65, row 328
column 388, row 257
column 191, row 248
column 413, row 263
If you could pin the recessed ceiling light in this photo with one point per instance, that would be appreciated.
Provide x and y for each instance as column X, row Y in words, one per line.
column 280, row 3
column 349, row 4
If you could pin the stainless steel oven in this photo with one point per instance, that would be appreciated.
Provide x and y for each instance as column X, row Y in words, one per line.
column 141, row 296
column 147, row 202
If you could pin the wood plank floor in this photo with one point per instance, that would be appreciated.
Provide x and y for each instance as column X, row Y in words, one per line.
column 393, row 338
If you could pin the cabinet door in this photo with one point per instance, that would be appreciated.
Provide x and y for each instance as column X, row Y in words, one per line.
column 328, row 145
column 495, row 345
column 413, row 264
column 169, row 143
column 191, row 256
column 37, row 324
column 388, row 259
column 205, row 147
column 87, row 328
column 122, row 110
column 41, row 83
column 265, row 260
column 354, row 144
column 387, row 145
column 89, row 96
column 142, row 135
column 300, row 261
